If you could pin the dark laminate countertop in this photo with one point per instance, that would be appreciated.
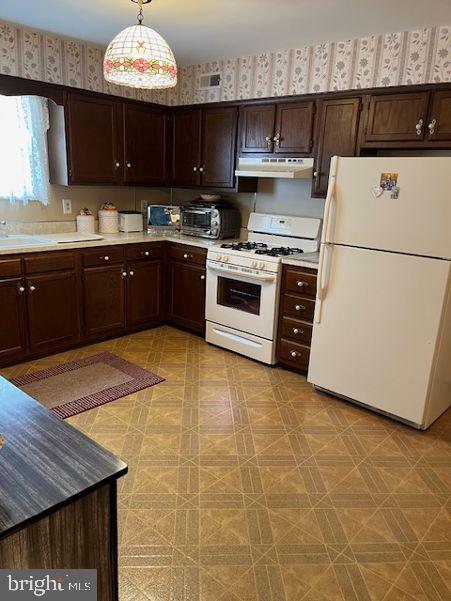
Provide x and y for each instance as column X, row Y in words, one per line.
column 44, row 462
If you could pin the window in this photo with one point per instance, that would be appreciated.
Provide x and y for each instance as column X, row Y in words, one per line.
column 24, row 170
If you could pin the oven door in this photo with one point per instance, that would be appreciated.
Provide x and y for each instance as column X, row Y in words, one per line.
column 243, row 301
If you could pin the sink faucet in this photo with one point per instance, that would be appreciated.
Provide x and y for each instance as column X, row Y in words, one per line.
column 3, row 233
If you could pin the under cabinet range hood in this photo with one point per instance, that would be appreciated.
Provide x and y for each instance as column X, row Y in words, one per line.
column 288, row 168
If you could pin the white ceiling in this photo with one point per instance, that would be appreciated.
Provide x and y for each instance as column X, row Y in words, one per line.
column 202, row 30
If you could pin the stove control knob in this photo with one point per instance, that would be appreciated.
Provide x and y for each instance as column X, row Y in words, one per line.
column 254, row 264
column 262, row 265
column 225, row 259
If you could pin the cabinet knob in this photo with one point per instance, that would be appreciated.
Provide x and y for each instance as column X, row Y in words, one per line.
column 117, row 164
column 124, row 274
column 315, row 174
column 300, row 308
column 131, row 273
column 105, row 258
column 302, row 284
column 201, row 169
column 20, row 289
column 202, row 277
column 269, row 142
column 194, row 168
column 277, row 139
column 419, row 127
column 146, row 253
column 295, row 354
column 129, row 164
column 431, row 127
column 31, row 288
column 186, row 256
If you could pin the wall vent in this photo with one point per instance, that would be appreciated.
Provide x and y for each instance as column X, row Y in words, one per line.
column 210, row 80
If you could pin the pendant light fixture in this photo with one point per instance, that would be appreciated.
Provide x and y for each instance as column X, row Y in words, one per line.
column 138, row 57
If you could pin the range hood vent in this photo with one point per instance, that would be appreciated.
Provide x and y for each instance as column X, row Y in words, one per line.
column 288, row 168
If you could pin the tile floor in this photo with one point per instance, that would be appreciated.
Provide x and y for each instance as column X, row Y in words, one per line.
column 246, row 485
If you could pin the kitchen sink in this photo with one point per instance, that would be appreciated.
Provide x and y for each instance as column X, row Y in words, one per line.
column 20, row 241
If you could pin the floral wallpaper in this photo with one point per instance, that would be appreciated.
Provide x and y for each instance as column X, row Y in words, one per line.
column 401, row 58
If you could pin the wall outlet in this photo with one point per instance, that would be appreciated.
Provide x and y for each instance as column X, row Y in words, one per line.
column 67, row 206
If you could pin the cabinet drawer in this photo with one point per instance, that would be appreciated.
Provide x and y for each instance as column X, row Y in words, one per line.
column 300, row 281
column 293, row 353
column 146, row 251
column 296, row 330
column 190, row 254
column 10, row 267
column 298, row 306
column 49, row 262
column 103, row 256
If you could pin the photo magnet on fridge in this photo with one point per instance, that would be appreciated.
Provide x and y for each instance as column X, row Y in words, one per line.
column 388, row 181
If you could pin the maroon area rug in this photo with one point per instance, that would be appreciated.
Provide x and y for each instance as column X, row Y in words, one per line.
column 74, row 387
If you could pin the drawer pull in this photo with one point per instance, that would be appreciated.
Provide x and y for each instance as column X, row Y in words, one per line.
column 302, row 284
column 105, row 258
column 187, row 256
column 146, row 253
column 297, row 331
column 300, row 307
column 202, row 277
column 295, row 354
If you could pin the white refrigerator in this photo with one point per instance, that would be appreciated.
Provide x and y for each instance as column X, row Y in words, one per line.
column 382, row 326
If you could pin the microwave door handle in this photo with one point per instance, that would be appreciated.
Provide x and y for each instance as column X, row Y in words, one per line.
column 246, row 276
column 196, row 211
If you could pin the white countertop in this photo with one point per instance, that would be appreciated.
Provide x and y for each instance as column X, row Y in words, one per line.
column 109, row 240
column 309, row 260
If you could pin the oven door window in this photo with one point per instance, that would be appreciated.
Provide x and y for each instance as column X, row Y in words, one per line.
column 198, row 219
column 239, row 295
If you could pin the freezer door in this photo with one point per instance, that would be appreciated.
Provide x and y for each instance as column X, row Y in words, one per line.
column 417, row 222
column 377, row 331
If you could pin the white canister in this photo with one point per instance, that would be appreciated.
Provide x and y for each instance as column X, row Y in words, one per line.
column 86, row 224
column 108, row 222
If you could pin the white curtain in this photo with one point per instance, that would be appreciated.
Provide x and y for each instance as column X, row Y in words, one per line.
column 24, row 168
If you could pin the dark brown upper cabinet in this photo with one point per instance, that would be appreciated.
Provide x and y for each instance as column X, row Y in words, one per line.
column 204, row 143
column 257, row 128
column 338, row 131
column 285, row 128
column 93, row 141
column 186, row 147
column 219, row 127
column 439, row 120
column 397, row 117
column 144, row 144
column 294, row 128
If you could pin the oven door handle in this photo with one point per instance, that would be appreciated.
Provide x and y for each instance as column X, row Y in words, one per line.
column 246, row 276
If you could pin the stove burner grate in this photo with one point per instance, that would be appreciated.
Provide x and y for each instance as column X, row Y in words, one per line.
column 281, row 251
column 245, row 246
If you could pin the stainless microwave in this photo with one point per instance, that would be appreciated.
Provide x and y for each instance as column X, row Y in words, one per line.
column 213, row 222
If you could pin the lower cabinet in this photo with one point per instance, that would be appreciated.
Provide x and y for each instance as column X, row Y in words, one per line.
column 55, row 300
column 13, row 341
column 297, row 307
column 103, row 299
column 53, row 310
column 186, row 288
column 144, row 293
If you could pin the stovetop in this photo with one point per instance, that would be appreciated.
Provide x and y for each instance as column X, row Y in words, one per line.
column 260, row 248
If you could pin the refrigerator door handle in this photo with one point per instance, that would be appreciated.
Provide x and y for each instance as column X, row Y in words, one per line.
column 329, row 198
column 323, row 278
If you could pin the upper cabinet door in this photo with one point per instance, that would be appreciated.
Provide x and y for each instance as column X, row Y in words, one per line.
column 439, row 121
column 93, row 140
column 294, row 128
column 144, row 144
column 338, row 129
column 186, row 147
column 257, row 128
column 397, row 117
column 218, row 147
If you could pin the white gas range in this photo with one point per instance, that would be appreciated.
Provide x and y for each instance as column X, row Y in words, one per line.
column 243, row 282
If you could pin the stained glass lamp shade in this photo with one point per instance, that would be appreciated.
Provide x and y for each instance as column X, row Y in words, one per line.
column 139, row 57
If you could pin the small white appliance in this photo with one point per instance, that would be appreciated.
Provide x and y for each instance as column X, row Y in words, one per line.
column 286, row 168
column 131, row 221
column 382, row 328
column 243, row 283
